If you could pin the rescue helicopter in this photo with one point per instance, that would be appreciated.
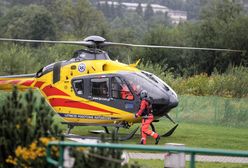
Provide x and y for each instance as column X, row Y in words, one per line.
column 90, row 89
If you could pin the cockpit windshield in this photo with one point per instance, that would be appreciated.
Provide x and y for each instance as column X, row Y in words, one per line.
column 159, row 81
column 139, row 82
column 146, row 81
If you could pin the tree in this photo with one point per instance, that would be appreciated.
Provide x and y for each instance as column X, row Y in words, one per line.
column 113, row 10
column 20, row 127
column 167, row 58
column 139, row 10
column 120, row 9
column 16, row 59
column 29, row 22
column 82, row 19
column 106, row 9
column 222, row 10
column 214, row 30
column 3, row 7
column 148, row 12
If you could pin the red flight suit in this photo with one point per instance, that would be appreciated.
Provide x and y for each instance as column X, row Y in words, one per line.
column 125, row 93
column 147, row 117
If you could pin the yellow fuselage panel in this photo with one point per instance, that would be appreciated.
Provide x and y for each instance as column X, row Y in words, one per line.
column 73, row 108
column 62, row 98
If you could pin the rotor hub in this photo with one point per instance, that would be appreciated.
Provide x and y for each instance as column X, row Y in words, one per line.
column 95, row 39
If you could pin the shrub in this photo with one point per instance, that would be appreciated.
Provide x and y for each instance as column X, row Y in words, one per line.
column 21, row 130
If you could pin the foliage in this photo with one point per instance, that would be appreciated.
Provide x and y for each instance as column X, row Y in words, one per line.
column 29, row 22
column 231, row 84
column 101, row 157
column 12, row 59
column 20, row 130
column 222, row 25
column 32, row 155
column 148, row 12
column 83, row 19
column 139, row 10
column 132, row 23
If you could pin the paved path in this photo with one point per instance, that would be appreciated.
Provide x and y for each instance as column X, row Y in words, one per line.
column 201, row 158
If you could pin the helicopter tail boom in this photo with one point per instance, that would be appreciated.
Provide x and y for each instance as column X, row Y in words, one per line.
column 22, row 82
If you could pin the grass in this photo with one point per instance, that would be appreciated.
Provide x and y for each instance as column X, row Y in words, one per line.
column 196, row 134
column 215, row 110
column 204, row 135
column 160, row 163
column 190, row 134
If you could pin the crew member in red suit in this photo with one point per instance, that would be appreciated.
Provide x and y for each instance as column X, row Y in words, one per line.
column 145, row 111
column 125, row 93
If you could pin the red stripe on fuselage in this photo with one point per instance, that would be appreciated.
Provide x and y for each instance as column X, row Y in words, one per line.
column 38, row 84
column 2, row 81
column 75, row 104
column 53, row 91
column 27, row 83
column 14, row 82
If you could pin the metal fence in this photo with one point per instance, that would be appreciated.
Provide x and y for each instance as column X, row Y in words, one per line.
column 191, row 151
column 212, row 110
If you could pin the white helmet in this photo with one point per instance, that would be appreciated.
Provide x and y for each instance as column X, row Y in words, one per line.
column 143, row 94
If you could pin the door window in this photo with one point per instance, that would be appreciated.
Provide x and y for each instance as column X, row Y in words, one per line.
column 100, row 87
column 120, row 89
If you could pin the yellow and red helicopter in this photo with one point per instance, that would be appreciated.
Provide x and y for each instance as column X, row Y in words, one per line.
column 90, row 89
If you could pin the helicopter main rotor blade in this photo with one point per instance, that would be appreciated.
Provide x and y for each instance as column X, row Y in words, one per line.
column 88, row 42
column 171, row 47
column 84, row 43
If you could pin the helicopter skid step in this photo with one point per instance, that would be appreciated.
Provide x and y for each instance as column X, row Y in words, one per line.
column 170, row 132
column 99, row 132
column 106, row 131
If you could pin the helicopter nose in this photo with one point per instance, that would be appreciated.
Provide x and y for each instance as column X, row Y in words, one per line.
column 165, row 103
column 173, row 102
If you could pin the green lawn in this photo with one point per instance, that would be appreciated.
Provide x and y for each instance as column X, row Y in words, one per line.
column 196, row 134
column 190, row 134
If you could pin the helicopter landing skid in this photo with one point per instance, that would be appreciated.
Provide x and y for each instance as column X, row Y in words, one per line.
column 127, row 137
column 116, row 130
column 105, row 131
column 170, row 132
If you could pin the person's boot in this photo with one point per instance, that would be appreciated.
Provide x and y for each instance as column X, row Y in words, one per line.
column 157, row 140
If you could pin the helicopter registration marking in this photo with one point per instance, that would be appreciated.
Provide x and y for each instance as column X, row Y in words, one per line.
column 86, row 116
column 81, row 67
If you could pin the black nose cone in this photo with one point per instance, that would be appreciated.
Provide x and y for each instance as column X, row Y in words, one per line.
column 163, row 105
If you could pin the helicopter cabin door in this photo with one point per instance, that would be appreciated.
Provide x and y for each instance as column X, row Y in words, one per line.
column 109, row 90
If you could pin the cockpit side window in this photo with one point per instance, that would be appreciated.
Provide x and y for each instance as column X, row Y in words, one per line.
column 120, row 89
column 78, row 86
column 100, row 87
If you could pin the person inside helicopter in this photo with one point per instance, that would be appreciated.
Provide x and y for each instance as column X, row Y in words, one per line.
column 135, row 86
column 125, row 93
column 120, row 90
